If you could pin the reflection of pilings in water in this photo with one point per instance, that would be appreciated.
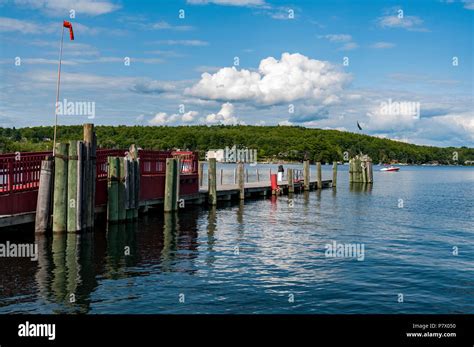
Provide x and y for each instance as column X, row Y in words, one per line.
column 360, row 187
column 72, row 266
column 211, row 228
column 170, row 234
column 58, row 285
column 86, row 275
column 43, row 274
column 121, row 248
column 240, row 212
column 240, row 218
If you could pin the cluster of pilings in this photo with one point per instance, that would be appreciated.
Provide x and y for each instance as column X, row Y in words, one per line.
column 123, row 186
column 67, row 186
column 360, row 169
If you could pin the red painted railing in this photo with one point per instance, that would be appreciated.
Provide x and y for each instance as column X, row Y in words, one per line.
column 20, row 173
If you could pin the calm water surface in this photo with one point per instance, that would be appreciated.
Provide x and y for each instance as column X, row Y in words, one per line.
column 253, row 257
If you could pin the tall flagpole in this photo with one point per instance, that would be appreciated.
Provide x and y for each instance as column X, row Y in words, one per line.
column 57, row 91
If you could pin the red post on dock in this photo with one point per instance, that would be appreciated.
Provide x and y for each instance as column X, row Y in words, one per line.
column 274, row 183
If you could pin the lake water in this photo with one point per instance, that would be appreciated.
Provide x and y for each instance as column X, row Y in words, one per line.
column 267, row 255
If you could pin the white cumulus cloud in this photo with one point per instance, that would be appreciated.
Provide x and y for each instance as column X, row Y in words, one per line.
column 224, row 116
column 162, row 118
column 291, row 78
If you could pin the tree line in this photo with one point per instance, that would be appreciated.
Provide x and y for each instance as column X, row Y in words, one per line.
column 290, row 143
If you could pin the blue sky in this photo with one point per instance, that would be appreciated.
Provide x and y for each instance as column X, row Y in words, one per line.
column 290, row 68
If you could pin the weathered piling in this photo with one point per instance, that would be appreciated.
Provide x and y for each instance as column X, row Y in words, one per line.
column 45, row 190
column 112, row 188
column 212, row 181
column 72, row 187
column 360, row 169
column 334, row 174
column 240, row 175
column 291, row 182
column 89, row 175
column 81, row 178
column 128, row 188
column 200, row 172
column 370, row 172
column 122, row 212
column 136, row 165
column 319, row 175
column 306, row 177
column 171, row 185
column 60, row 187
column 364, row 171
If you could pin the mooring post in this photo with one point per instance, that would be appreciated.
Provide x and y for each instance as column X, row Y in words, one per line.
column 358, row 169
column 363, row 165
column 291, row 182
column 170, row 189
column 112, row 189
column 200, row 172
column 222, row 176
column 212, row 184
column 122, row 214
column 80, row 186
column 60, row 187
column 241, row 180
column 93, row 179
column 257, row 174
column 319, row 175
column 247, row 175
column 177, row 181
column 43, row 205
column 89, row 176
column 334, row 173
column 128, row 182
column 306, row 174
column 370, row 172
column 72, row 188
column 136, row 164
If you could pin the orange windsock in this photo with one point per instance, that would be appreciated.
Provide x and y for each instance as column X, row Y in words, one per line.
column 67, row 24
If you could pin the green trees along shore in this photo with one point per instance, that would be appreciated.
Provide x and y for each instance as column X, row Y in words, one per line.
column 288, row 143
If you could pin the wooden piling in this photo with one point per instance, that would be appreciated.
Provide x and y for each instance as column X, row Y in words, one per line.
column 112, row 189
column 291, row 182
column 334, row 174
column 128, row 182
column 212, row 188
column 241, row 180
column 306, row 174
column 351, row 172
column 363, row 165
column 200, row 172
column 319, row 175
column 60, row 187
column 122, row 212
column 80, row 186
column 370, row 172
column 136, row 165
column 72, row 187
column 89, row 175
column 93, row 173
column 222, row 176
column 171, row 200
column 43, row 205
column 257, row 174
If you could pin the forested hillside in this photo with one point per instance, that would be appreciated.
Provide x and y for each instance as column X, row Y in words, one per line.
column 282, row 142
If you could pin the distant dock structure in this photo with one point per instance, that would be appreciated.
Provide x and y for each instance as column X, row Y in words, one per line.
column 233, row 155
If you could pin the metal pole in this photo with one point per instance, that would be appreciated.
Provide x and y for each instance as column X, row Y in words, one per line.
column 57, row 91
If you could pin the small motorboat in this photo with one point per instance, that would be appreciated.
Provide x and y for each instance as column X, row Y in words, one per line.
column 390, row 168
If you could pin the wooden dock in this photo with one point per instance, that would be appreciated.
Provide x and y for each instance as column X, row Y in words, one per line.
column 225, row 192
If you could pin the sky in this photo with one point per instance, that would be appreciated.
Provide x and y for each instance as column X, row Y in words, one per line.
column 403, row 70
